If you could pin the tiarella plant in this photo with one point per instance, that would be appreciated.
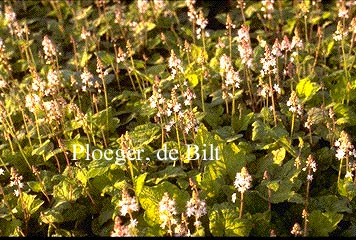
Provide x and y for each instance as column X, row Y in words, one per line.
column 177, row 118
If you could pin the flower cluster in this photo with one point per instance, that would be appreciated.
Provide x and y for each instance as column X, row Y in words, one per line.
column 49, row 49
column 229, row 24
column 201, row 23
column 297, row 42
column 85, row 34
column 294, row 104
column 167, row 210
column 296, row 230
column 285, row 44
column 53, row 83
column 340, row 32
column 100, row 69
column 196, row 18
column 269, row 63
column 121, row 56
column 38, row 85
column 267, row 8
column 195, row 206
column 13, row 25
column 343, row 12
column 311, row 167
column 344, row 146
column 54, row 110
column 175, row 65
column 87, row 79
column 3, row 57
column 242, row 181
column 119, row 13
column 142, row 6
column 308, row 124
column 32, row 102
column 15, row 180
column 244, row 46
column 87, row 82
column 127, row 204
column 121, row 230
column 174, row 111
column 182, row 230
column 232, row 78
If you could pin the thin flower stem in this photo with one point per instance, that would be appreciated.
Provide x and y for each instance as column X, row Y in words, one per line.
column 241, row 204
column 273, row 103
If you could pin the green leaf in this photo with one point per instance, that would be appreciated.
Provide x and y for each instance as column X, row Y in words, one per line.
column 273, row 185
column 168, row 173
column 329, row 47
column 347, row 188
column 224, row 221
column 35, row 186
column 307, row 89
column 278, row 156
column 51, row 216
column 322, row 223
column 228, row 134
column 259, row 130
column 213, row 115
column 331, row 203
column 85, row 58
column 144, row 134
column 193, row 79
column 107, row 58
column 156, row 70
column 139, row 183
column 284, row 192
column 81, row 175
column 43, row 148
column 345, row 113
column 67, row 191
column 77, row 148
column 52, row 153
column 83, row 13
column 32, row 204
column 97, row 170
column 9, row 228
column 241, row 124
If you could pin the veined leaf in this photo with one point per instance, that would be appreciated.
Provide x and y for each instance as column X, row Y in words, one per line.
column 224, row 221
column 32, row 204
column 278, row 156
column 323, row 223
column 307, row 89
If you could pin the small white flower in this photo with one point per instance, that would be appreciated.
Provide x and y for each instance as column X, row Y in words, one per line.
column 2, row 171
column 177, row 107
column 233, row 197
column 197, row 223
column 16, row 192
column 309, row 177
column 133, row 223
column 340, row 154
column 348, row 175
column 277, row 88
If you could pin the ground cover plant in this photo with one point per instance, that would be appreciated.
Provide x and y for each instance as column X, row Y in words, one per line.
column 177, row 118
